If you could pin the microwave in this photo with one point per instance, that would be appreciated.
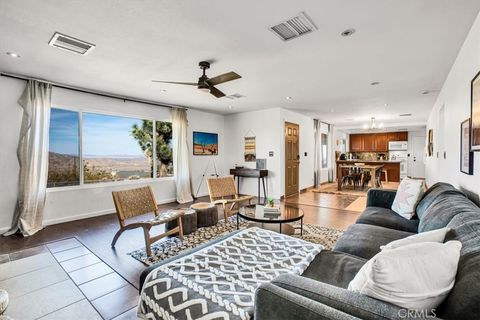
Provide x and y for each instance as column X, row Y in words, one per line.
column 397, row 146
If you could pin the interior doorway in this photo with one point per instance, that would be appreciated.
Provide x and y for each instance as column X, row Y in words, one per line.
column 417, row 159
column 292, row 158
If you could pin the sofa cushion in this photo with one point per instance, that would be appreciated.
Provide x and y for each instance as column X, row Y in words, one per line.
column 408, row 193
column 437, row 235
column 463, row 300
column 335, row 268
column 364, row 240
column 418, row 276
column 431, row 195
column 387, row 218
column 443, row 209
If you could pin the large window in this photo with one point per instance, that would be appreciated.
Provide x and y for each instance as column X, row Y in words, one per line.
column 112, row 148
column 64, row 153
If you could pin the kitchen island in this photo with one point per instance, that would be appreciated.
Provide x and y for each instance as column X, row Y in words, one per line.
column 392, row 167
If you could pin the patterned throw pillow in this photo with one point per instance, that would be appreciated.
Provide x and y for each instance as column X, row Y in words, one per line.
column 408, row 193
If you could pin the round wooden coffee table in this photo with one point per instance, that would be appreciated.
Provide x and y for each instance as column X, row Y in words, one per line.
column 276, row 222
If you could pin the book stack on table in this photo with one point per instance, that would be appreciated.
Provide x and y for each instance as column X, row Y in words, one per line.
column 271, row 212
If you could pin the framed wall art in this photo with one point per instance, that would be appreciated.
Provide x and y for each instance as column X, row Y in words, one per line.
column 430, row 142
column 466, row 155
column 475, row 114
column 250, row 149
column 205, row 144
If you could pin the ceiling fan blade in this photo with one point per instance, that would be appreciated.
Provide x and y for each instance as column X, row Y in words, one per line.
column 217, row 93
column 229, row 76
column 173, row 82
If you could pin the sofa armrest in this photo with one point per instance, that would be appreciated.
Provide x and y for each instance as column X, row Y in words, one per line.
column 352, row 303
column 275, row 303
column 380, row 198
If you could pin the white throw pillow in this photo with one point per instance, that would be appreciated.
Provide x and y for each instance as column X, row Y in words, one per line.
column 408, row 193
column 437, row 235
column 417, row 276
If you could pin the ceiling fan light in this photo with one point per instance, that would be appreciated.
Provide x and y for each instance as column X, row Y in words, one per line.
column 204, row 89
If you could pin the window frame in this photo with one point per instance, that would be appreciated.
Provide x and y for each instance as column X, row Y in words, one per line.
column 324, row 155
column 83, row 185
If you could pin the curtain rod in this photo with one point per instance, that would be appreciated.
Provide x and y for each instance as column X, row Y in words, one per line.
column 84, row 90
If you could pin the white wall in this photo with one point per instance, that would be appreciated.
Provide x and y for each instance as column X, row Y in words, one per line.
column 72, row 203
column 455, row 96
column 206, row 122
column 10, row 120
column 266, row 126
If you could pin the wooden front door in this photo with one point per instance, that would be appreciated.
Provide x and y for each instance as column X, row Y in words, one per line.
column 292, row 158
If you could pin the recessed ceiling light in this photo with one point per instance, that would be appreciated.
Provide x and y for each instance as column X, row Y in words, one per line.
column 163, row 90
column 385, row 105
column 13, row 54
column 348, row 32
column 374, row 83
column 288, row 98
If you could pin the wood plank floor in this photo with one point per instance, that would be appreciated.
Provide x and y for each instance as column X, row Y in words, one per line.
column 96, row 234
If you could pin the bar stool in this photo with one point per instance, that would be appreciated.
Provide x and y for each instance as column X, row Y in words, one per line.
column 385, row 172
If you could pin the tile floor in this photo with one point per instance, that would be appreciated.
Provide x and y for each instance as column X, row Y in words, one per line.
column 64, row 280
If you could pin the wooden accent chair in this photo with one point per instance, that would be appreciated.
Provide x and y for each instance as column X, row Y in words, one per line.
column 135, row 202
column 223, row 192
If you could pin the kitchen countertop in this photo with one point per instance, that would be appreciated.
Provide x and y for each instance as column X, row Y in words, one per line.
column 369, row 161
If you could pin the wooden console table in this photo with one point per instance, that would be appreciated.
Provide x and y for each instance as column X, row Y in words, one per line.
column 251, row 173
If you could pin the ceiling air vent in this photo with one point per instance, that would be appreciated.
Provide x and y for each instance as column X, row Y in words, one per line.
column 70, row 44
column 235, row 96
column 406, row 115
column 294, row 27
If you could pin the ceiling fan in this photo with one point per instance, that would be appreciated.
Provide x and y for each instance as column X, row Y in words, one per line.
column 208, row 84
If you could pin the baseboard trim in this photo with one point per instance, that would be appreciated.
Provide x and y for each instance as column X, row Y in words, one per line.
column 76, row 217
column 306, row 189
column 49, row 222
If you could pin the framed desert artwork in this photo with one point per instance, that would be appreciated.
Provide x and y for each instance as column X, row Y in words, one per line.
column 475, row 113
column 466, row 156
column 205, row 144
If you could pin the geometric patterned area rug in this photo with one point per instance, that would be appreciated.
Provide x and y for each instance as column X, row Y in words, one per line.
column 170, row 247
column 219, row 281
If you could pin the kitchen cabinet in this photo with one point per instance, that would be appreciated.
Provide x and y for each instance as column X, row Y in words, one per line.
column 392, row 136
column 356, row 143
column 381, row 142
column 403, row 136
column 368, row 142
column 375, row 142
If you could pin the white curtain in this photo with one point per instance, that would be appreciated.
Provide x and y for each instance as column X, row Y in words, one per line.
column 32, row 153
column 181, row 155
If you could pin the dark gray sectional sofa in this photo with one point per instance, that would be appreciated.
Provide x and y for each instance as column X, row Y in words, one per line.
column 320, row 293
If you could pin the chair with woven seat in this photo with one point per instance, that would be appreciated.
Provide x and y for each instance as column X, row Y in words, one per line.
column 139, row 201
column 223, row 192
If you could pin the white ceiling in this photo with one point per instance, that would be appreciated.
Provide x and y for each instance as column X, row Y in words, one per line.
column 407, row 45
